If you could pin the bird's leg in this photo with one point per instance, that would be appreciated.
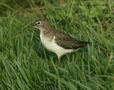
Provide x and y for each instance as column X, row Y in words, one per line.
column 59, row 59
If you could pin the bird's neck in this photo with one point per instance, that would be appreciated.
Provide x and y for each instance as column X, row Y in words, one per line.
column 43, row 31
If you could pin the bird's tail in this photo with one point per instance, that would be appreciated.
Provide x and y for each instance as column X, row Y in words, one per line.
column 83, row 44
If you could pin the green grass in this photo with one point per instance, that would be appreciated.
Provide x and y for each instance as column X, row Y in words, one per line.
column 26, row 65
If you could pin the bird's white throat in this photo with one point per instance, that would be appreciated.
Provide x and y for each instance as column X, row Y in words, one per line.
column 41, row 29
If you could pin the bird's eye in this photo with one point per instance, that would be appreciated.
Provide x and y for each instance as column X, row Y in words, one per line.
column 38, row 22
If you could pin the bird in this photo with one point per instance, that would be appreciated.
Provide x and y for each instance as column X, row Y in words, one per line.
column 56, row 41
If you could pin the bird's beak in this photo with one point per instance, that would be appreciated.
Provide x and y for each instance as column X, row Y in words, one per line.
column 34, row 25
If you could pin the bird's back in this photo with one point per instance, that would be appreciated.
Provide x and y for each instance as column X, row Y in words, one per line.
column 69, row 42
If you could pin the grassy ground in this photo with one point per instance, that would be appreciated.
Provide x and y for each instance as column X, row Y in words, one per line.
column 26, row 65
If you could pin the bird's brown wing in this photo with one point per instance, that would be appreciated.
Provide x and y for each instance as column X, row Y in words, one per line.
column 68, row 42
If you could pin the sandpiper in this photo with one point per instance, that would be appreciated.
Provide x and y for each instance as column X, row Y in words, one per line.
column 56, row 41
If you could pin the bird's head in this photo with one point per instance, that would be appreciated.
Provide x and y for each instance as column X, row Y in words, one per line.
column 41, row 25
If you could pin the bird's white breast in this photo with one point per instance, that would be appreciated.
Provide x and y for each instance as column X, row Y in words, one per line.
column 52, row 46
